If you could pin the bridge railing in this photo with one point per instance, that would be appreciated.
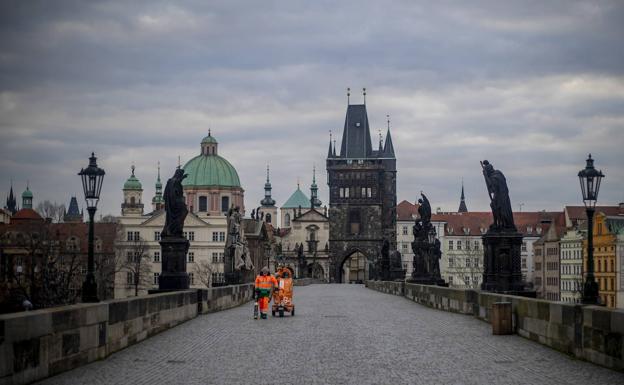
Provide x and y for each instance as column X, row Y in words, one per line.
column 38, row 344
column 592, row 333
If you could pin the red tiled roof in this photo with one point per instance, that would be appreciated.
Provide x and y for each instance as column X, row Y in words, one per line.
column 578, row 212
column 407, row 211
column 27, row 214
column 476, row 222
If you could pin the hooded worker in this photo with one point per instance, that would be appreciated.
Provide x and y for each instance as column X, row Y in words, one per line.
column 265, row 285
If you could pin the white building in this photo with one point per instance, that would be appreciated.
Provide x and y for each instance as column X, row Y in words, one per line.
column 212, row 186
column 571, row 266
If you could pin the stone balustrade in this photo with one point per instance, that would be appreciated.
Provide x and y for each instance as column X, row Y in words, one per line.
column 592, row 333
column 38, row 344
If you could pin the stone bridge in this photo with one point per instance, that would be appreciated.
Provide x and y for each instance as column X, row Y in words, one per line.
column 341, row 334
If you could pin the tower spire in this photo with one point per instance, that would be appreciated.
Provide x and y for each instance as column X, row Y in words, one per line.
column 314, row 201
column 348, row 96
column 462, row 202
column 388, row 151
column 364, row 94
column 268, row 201
column 330, row 152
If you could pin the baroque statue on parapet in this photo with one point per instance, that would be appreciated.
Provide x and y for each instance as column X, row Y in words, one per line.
column 424, row 210
column 236, row 245
column 175, row 207
column 499, row 197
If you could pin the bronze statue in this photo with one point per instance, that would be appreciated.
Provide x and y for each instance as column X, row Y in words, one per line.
column 424, row 210
column 175, row 207
column 499, row 197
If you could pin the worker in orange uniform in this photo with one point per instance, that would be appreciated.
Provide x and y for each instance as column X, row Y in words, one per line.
column 265, row 285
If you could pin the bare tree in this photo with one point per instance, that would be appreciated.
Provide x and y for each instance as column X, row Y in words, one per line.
column 51, row 210
column 203, row 271
column 137, row 263
column 109, row 219
column 468, row 266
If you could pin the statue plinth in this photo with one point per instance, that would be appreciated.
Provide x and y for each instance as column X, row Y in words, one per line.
column 502, row 263
column 173, row 275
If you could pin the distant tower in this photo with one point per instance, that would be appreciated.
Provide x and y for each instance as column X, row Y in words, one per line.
column 268, row 203
column 314, row 190
column 362, row 196
column 133, row 192
column 462, row 202
column 158, row 203
column 73, row 214
column 27, row 198
column 11, row 202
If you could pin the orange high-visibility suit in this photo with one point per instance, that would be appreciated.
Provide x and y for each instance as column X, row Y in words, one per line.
column 265, row 284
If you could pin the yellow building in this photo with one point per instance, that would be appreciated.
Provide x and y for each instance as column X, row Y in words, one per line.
column 605, row 231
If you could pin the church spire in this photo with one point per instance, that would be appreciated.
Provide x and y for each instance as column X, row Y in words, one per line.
column 330, row 152
column 158, row 201
column 462, row 202
column 388, row 147
column 268, row 201
column 315, row 202
column 11, row 202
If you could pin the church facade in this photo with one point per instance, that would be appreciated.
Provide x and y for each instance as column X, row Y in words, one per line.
column 362, row 198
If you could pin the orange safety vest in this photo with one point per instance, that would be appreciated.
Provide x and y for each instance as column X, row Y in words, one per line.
column 265, row 284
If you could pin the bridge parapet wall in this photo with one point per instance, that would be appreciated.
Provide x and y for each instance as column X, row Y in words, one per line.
column 593, row 333
column 39, row 344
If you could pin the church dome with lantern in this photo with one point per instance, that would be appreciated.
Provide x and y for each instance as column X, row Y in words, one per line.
column 212, row 184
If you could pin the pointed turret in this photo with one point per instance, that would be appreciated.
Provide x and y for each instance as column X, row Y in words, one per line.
column 73, row 214
column 268, row 201
column 462, row 202
column 315, row 202
column 158, row 202
column 11, row 202
column 133, row 192
column 388, row 151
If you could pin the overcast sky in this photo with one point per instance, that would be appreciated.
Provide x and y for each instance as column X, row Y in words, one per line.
column 532, row 86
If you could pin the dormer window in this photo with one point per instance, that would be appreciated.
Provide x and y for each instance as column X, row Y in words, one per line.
column 539, row 229
column 529, row 230
column 357, row 124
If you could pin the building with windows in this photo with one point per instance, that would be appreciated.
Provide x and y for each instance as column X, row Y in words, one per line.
column 211, row 188
column 606, row 229
column 407, row 214
column 547, row 271
column 362, row 197
column 571, row 265
column 619, row 267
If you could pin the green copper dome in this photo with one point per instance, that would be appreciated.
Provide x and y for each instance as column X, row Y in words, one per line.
column 27, row 193
column 210, row 170
column 209, row 139
column 132, row 183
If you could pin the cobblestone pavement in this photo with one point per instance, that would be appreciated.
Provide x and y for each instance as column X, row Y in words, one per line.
column 341, row 334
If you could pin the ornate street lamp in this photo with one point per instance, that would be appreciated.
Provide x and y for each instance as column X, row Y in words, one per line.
column 590, row 184
column 92, row 178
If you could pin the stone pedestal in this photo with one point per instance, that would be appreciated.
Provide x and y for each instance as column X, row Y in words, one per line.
column 173, row 275
column 502, row 263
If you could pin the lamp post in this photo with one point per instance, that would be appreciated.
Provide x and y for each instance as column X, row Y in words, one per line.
column 92, row 178
column 590, row 185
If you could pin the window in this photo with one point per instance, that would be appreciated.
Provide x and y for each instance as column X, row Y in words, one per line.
column 215, row 236
column 468, row 262
column 459, row 243
column 215, row 257
column 129, row 256
column 191, row 278
column 156, row 256
column 450, row 245
column 342, row 192
column 346, row 192
column 354, row 222
column 404, row 247
column 369, row 192
column 157, row 235
column 524, row 246
column 225, row 204
column 129, row 279
column 450, row 280
column 221, row 236
column 404, row 230
column 451, row 262
column 467, row 245
column 287, row 220
column 156, row 278
column 363, row 192
column 137, row 236
column 191, row 257
column 203, row 203
column 191, row 236
column 476, row 245
column 538, row 266
column 130, row 236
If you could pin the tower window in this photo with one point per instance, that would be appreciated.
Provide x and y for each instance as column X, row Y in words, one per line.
column 287, row 220
column 203, row 203
column 354, row 222
column 225, row 204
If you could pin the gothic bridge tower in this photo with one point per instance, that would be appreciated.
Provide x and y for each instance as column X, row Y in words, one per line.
column 362, row 198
